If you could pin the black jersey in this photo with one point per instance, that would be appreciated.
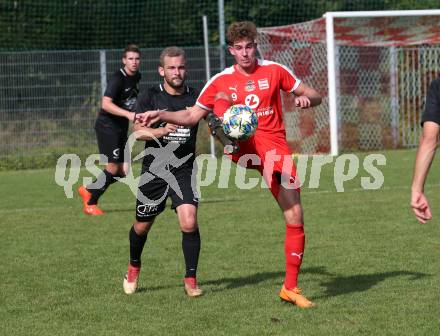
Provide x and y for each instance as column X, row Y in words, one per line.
column 432, row 107
column 123, row 89
column 157, row 98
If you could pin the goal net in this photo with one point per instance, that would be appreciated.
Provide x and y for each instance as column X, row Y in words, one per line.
column 377, row 69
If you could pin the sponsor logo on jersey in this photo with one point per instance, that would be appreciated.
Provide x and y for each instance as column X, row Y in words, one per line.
column 264, row 111
column 250, row 86
column 252, row 100
column 180, row 135
column 233, row 88
column 263, row 84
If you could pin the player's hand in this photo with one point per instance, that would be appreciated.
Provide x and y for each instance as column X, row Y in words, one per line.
column 131, row 116
column 147, row 118
column 302, row 102
column 420, row 206
column 169, row 128
column 215, row 126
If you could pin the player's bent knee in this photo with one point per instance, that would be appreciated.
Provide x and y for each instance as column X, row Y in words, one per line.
column 294, row 215
column 142, row 228
column 187, row 214
column 188, row 222
column 189, row 225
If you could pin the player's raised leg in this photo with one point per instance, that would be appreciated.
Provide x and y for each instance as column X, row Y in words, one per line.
column 90, row 194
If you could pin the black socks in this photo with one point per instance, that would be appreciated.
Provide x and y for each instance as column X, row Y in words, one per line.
column 191, row 251
column 190, row 247
column 136, row 247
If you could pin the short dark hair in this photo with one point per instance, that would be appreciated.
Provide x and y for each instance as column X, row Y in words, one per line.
column 241, row 30
column 170, row 52
column 131, row 48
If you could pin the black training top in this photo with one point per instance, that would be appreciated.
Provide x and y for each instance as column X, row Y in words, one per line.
column 432, row 107
column 157, row 98
column 123, row 89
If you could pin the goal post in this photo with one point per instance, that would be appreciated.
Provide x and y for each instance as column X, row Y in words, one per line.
column 330, row 41
column 372, row 67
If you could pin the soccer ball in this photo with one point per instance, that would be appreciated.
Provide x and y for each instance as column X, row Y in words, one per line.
column 239, row 122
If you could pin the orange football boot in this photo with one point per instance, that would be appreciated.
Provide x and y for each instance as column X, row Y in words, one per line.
column 294, row 296
column 91, row 210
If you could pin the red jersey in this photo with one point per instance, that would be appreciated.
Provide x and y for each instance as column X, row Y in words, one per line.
column 259, row 90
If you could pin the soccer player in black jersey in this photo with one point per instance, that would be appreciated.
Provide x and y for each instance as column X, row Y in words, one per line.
column 111, row 126
column 425, row 154
column 167, row 170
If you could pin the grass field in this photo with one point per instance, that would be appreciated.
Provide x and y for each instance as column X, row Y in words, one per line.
column 369, row 266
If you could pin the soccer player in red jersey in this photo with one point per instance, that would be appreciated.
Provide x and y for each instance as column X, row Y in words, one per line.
column 257, row 83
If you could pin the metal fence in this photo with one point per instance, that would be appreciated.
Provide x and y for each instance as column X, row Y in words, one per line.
column 49, row 100
column 417, row 68
column 382, row 94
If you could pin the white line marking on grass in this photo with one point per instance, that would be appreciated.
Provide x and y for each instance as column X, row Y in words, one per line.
column 116, row 206
column 355, row 190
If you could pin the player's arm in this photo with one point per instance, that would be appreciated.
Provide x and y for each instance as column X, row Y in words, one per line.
column 143, row 133
column 425, row 154
column 110, row 107
column 424, row 158
column 145, row 102
column 187, row 117
column 306, row 96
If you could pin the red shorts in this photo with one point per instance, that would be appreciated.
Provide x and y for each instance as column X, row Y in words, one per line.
column 272, row 157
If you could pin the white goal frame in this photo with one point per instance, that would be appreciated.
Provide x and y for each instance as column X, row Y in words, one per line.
column 331, row 59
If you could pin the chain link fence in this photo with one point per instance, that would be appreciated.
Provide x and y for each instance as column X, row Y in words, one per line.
column 50, row 68
column 381, row 83
column 49, row 100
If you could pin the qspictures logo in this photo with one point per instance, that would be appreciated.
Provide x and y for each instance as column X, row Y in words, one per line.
column 219, row 171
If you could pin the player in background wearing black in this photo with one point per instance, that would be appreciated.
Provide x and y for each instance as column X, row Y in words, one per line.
column 169, row 171
column 111, row 126
column 426, row 152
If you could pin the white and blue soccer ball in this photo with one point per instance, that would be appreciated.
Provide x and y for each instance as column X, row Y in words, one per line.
column 239, row 122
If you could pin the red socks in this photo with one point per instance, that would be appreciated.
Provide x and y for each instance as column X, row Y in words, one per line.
column 293, row 250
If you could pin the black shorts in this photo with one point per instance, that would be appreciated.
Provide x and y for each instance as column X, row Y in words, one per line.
column 152, row 196
column 111, row 142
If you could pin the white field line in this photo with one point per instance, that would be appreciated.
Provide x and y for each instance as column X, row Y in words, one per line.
column 78, row 204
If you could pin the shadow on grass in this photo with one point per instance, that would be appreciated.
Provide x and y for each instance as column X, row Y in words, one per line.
column 231, row 283
column 227, row 283
column 336, row 285
column 340, row 285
